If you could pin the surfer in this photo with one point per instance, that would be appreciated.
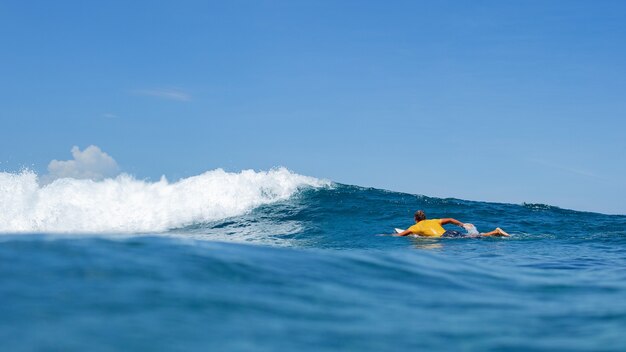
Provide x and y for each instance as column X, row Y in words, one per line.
column 434, row 228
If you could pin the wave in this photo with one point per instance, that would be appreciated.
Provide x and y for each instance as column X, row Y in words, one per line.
column 127, row 205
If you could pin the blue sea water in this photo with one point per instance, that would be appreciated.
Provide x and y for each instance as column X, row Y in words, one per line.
column 301, row 265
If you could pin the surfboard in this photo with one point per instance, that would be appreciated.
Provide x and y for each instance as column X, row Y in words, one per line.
column 399, row 230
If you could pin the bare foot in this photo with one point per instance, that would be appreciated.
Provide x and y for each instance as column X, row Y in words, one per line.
column 501, row 232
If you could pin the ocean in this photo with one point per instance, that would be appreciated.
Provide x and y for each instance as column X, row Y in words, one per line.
column 276, row 261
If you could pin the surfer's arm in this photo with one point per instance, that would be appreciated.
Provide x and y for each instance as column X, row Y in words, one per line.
column 403, row 233
column 451, row 221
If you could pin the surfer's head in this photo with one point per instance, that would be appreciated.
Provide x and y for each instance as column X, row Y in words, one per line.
column 419, row 216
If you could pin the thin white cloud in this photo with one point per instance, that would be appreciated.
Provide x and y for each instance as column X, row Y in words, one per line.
column 176, row 94
column 568, row 169
column 91, row 163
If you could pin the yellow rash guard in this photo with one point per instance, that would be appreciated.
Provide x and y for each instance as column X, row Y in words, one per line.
column 430, row 228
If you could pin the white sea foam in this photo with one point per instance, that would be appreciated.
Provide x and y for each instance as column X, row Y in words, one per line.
column 127, row 205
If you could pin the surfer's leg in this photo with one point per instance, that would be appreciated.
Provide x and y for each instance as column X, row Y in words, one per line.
column 497, row 232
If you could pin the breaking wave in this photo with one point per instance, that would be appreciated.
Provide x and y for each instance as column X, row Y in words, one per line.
column 127, row 205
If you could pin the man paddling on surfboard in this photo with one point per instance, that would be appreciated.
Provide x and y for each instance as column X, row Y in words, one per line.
column 434, row 228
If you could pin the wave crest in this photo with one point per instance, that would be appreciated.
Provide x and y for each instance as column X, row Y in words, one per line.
column 127, row 205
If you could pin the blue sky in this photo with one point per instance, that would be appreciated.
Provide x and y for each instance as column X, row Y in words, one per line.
column 508, row 101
